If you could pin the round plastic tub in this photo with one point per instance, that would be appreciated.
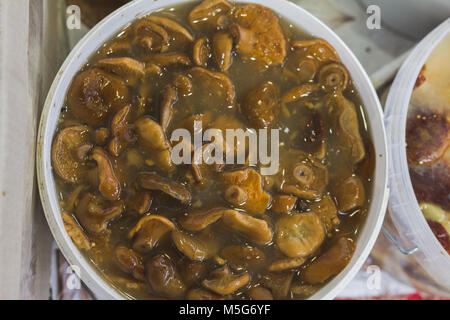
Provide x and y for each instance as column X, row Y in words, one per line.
column 412, row 227
column 124, row 16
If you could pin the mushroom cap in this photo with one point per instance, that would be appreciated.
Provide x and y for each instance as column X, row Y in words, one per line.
column 256, row 230
column 224, row 282
column 262, row 105
column 149, row 231
column 64, row 160
column 194, row 247
column 205, row 15
column 163, row 277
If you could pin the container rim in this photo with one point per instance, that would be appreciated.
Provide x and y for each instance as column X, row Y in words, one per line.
column 138, row 8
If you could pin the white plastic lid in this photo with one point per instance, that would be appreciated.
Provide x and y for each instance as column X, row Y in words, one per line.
column 407, row 217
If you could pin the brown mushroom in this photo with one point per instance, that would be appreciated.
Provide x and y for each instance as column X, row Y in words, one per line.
column 183, row 84
column 303, row 290
column 147, row 233
column 286, row 264
column 347, row 125
column 163, row 277
column 243, row 257
column 153, row 181
column 198, row 220
column 299, row 235
column 129, row 262
column 283, row 203
column 95, row 94
column 64, row 158
column 152, row 137
column 168, row 99
column 202, row 294
column 192, row 272
column 167, row 59
column 278, row 282
column 94, row 213
column 258, row 35
column 222, row 281
column 262, row 105
column 205, row 15
column 256, row 230
column 248, row 181
column 75, row 232
column 319, row 49
column 222, row 50
column 201, row 52
column 334, row 77
column 171, row 25
column 109, row 184
column 300, row 92
column 350, row 194
column 101, row 136
column 140, row 202
column 259, row 293
column 327, row 212
column 130, row 70
column 330, row 263
column 150, row 36
column 121, row 131
column 195, row 247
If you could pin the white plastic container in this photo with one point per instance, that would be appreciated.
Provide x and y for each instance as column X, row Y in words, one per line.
column 411, row 225
column 128, row 13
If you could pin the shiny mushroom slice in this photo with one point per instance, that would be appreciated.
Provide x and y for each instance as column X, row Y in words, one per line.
column 152, row 137
column 242, row 257
column 95, row 94
column 319, row 49
column 130, row 70
column 153, row 181
column 150, row 36
column 299, row 235
column 75, row 232
column 258, row 35
column 129, row 262
column 94, row 213
column 171, row 25
column 202, row 294
column 350, row 194
column 247, row 190
column 168, row 99
column 122, row 131
column 286, row 264
column 222, row 50
column 140, row 202
column 109, row 185
column 347, row 124
column 163, row 277
column 201, row 52
column 257, row 230
column 205, row 16
column 334, row 77
column 326, row 210
column 222, row 281
column 305, row 178
column 283, row 203
column 278, row 282
column 167, row 59
column 195, row 247
column 262, row 105
column 329, row 263
column 147, row 233
column 65, row 161
column 225, row 88
column 198, row 220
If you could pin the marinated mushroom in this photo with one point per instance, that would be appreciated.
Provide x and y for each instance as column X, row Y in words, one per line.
column 286, row 264
column 152, row 137
column 326, row 210
column 95, row 94
column 258, row 35
column 256, row 230
column 201, row 52
column 283, row 203
column 279, row 283
column 153, row 181
column 130, row 70
column 350, row 194
column 202, row 294
column 319, row 49
column 259, row 293
column 194, row 247
column 171, row 25
column 140, row 202
column 151, row 36
column 168, row 99
column 198, row 220
column 130, row 262
column 163, row 277
column 247, row 190
column 65, row 161
column 299, row 235
column 262, row 105
column 192, row 272
column 222, row 281
column 222, row 50
column 167, row 59
column 94, row 213
column 109, row 184
column 334, row 77
column 147, row 233
column 329, row 263
column 243, row 257
column 121, row 131
column 206, row 14
column 75, row 232
column 183, row 85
